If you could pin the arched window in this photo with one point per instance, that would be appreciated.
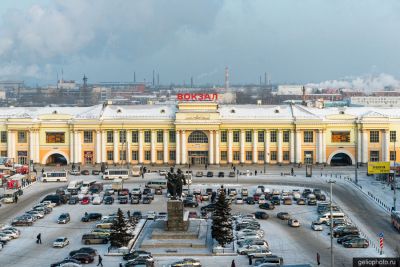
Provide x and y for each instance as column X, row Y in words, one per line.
column 198, row 137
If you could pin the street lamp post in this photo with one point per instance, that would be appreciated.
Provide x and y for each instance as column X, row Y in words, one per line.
column 331, row 182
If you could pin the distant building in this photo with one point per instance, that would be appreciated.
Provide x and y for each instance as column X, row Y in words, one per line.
column 375, row 101
column 291, row 90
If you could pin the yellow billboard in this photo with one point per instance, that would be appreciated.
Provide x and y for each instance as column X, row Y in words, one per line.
column 378, row 167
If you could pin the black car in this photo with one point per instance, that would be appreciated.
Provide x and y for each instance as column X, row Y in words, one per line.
column 209, row 207
column 91, row 217
column 67, row 260
column 123, row 200
column 321, row 197
column 133, row 255
column 85, row 172
column 146, row 200
column 137, row 214
column 306, row 192
column 266, row 206
column 348, row 230
column 95, row 172
column 135, row 200
column 276, row 200
column 73, row 200
column 261, row 215
column 221, row 174
column 56, row 199
column 108, row 200
column 190, row 203
column 283, row 215
column 88, row 250
column 346, row 238
column 83, row 257
column 146, row 191
column 210, row 174
column 250, row 201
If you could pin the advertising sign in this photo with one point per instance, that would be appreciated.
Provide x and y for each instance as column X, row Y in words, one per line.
column 378, row 167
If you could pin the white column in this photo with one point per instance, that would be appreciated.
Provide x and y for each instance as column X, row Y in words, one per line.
column 364, row 138
column 178, row 147
column 230, row 143
column 298, row 146
column 10, row 146
column 32, row 145
column 266, row 145
column 115, row 148
column 153, row 146
column 292, row 151
column 141, row 142
column 211, row 148
column 323, row 147
column 279, row 141
column 165, row 146
column 98, row 147
column 37, row 144
column 217, row 154
column 71, row 147
column 183, row 140
column 359, row 146
column 80, row 142
column 319, row 147
column 242, row 142
column 385, row 145
column 76, row 147
column 128, row 146
column 255, row 152
column 103, row 146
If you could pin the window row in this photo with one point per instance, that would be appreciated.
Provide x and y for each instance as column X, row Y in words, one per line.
column 135, row 155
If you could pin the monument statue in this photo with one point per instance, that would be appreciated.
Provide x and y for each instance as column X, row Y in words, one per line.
column 175, row 183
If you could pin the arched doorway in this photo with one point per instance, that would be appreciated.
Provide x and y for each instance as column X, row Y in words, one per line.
column 341, row 159
column 56, row 159
column 198, row 148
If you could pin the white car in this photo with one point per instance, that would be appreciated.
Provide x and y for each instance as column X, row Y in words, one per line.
column 84, row 190
column 239, row 200
column 97, row 200
column 5, row 237
column 10, row 233
column 136, row 191
column 70, row 264
column 250, row 248
column 262, row 200
column 36, row 213
column 249, row 232
column 317, row 226
column 151, row 215
column 60, row 242
column 49, row 204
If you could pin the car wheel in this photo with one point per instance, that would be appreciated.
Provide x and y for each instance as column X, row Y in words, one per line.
column 365, row 246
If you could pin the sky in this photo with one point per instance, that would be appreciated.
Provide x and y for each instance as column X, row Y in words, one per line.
column 307, row 41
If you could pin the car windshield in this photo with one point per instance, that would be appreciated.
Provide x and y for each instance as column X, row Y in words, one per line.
column 59, row 239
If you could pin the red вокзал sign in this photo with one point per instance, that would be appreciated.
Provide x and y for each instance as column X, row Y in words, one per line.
column 197, row 97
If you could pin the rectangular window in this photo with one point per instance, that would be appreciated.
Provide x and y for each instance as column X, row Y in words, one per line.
column 224, row 136
column 53, row 138
column 273, row 137
column 110, row 155
column 308, row 136
column 273, row 155
column 22, row 157
column 236, row 155
column 147, row 155
column 224, row 155
column 172, row 136
column 236, row 136
column 110, row 137
column 160, row 155
column 3, row 136
column 249, row 155
column 147, row 136
column 286, row 136
column 172, row 155
column 160, row 136
column 393, row 155
column 393, row 136
column 122, row 137
column 340, row 137
column 308, row 157
column 374, row 136
column 285, row 155
column 87, row 136
column 135, row 137
column 248, row 137
column 122, row 155
column 135, row 155
column 21, row 137
column 3, row 153
column 261, row 136
column 374, row 156
column 261, row 155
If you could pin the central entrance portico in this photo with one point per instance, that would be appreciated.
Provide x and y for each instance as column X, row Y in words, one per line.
column 198, row 157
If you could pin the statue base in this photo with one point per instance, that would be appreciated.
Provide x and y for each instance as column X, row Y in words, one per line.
column 176, row 221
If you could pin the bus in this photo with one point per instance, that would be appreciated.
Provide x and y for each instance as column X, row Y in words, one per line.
column 111, row 174
column 136, row 171
column 155, row 184
column 396, row 219
column 55, row 176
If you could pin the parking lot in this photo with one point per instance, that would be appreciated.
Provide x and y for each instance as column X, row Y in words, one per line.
column 295, row 245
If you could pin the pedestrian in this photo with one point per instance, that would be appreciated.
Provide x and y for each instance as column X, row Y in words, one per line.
column 237, row 172
column 318, row 259
column 142, row 175
column 79, row 168
column 100, row 261
column 206, row 166
column 128, row 213
column 255, row 172
column 39, row 239
column 120, row 264
column 250, row 260
column 234, row 168
column 16, row 199
column 86, row 214
column 42, row 171
column 292, row 171
column 130, row 195
column 233, row 264
column 201, row 198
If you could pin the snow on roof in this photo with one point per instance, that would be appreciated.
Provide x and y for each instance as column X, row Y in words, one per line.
column 255, row 112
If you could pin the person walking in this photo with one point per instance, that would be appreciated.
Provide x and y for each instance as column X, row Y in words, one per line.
column 39, row 239
column 250, row 260
column 318, row 259
column 233, row 264
column 42, row 171
column 100, row 261
column 255, row 172
column 16, row 199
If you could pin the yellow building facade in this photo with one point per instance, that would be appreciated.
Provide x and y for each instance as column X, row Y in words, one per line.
column 199, row 133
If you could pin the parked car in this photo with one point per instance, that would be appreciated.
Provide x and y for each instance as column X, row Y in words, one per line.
column 135, row 200
column 64, row 218
column 151, row 215
column 134, row 254
column 74, row 172
column 158, row 191
column 97, row 200
column 146, row 200
column 88, row 239
column 73, row 200
column 85, row 200
column 231, row 174
column 67, row 262
column 137, row 214
column 283, row 215
column 261, row 215
column 275, row 200
column 239, row 200
column 210, row 174
column 266, row 206
column 123, row 200
column 85, row 172
column 60, row 242
column 91, row 217
column 221, row 174
column 250, row 201
column 317, row 226
column 301, row 201
column 88, row 250
column 346, row 230
column 108, row 200
column 190, row 203
column 356, row 243
column 199, row 174
column 209, row 207
column 83, row 257
column 95, row 172
column 346, row 238
column 293, row 223
column 186, row 263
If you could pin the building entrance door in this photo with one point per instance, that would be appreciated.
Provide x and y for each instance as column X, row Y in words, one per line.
column 198, row 157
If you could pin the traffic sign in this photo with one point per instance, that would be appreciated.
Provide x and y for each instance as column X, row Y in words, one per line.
column 380, row 234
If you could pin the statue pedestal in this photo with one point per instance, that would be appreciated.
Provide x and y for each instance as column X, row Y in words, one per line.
column 175, row 216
